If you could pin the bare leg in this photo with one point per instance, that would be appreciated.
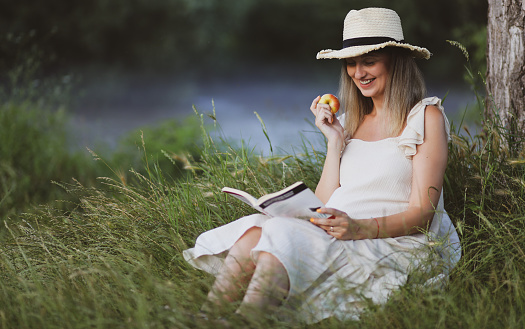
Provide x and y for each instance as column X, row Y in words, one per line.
column 269, row 285
column 237, row 271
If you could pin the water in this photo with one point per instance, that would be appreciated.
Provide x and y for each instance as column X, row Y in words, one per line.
column 113, row 107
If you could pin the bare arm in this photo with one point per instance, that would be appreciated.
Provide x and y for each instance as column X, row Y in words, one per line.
column 428, row 170
column 334, row 133
column 329, row 180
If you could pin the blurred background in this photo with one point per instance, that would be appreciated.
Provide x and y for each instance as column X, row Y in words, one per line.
column 125, row 64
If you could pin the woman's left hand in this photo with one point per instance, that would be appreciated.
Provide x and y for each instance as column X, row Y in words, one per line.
column 341, row 226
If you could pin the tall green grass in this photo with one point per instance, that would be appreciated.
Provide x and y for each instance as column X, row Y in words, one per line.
column 116, row 260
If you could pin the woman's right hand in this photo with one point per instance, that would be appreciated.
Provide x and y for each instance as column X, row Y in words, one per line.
column 327, row 122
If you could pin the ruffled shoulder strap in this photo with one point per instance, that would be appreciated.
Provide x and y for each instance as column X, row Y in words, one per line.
column 414, row 132
column 341, row 119
column 347, row 140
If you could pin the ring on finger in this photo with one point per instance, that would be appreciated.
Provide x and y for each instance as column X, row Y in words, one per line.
column 331, row 228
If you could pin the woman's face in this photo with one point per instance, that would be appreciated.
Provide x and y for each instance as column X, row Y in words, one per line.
column 370, row 73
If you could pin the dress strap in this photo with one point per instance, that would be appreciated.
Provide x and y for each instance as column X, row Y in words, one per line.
column 414, row 132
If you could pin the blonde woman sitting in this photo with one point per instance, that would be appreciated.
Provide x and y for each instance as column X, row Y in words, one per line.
column 381, row 183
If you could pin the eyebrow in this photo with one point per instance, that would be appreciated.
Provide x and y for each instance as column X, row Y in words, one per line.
column 364, row 57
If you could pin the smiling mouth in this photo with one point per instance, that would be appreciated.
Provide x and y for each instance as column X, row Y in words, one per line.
column 366, row 82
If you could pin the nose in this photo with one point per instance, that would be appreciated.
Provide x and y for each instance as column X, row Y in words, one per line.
column 359, row 71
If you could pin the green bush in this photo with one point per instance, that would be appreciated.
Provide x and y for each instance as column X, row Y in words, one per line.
column 165, row 145
column 35, row 150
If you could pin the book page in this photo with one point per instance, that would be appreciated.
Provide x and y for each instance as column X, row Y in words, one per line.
column 301, row 205
column 243, row 196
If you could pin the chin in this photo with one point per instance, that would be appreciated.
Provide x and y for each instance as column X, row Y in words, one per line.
column 371, row 93
column 367, row 93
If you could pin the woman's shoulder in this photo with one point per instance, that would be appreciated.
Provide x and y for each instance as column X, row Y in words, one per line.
column 434, row 115
column 435, row 124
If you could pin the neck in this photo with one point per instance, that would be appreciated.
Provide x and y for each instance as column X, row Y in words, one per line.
column 378, row 106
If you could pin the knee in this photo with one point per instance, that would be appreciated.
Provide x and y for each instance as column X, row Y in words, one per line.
column 267, row 260
column 247, row 241
column 252, row 235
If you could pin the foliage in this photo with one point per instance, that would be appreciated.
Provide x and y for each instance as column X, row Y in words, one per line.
column 35, row 147
column 221, row 35
column 168, row 145
column 35, row 150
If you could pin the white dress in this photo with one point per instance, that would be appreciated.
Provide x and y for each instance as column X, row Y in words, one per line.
column 330, row 277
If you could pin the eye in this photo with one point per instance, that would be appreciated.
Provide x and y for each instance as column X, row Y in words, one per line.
column 369, row 63
column 350, row 63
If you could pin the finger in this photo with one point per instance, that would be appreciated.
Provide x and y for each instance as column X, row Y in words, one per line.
column 323, row 112
column 329, row 229
column 331, row 211
column 324, row 222
column 324, row 115
column 324, row 106
column 313, row 107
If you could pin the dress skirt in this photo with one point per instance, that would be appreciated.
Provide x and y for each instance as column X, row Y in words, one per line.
column 328, row 277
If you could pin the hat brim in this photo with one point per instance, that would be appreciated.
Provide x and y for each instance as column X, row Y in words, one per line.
column 417, row 52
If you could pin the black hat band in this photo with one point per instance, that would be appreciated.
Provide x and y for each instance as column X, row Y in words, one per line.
column 367, row 41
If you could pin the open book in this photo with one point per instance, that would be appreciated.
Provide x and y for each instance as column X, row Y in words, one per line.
column 296, row 201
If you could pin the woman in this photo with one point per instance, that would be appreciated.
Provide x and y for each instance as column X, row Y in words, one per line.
column 381, row 182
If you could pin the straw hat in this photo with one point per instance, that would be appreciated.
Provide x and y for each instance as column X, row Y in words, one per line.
column 371, row 29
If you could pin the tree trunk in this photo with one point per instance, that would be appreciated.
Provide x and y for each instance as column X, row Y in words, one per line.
column 506, row 62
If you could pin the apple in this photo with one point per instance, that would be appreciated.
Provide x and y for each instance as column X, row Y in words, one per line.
column 330, row 100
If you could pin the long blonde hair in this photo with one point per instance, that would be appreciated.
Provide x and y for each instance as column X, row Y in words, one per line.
column 404, row 89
